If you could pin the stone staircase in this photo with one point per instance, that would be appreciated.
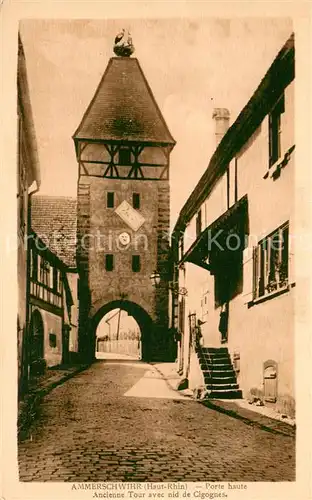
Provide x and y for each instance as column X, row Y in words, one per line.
column 219, row 374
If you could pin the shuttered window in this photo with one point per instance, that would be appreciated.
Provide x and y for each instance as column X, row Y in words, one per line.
column 275, row 131
column 270, row 262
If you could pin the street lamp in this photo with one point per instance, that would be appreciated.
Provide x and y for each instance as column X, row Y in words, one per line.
column 155, row 279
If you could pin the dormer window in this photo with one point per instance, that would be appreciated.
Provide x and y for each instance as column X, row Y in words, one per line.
column 124, row 156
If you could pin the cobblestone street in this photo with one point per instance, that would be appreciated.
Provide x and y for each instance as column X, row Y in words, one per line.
column 119, row 421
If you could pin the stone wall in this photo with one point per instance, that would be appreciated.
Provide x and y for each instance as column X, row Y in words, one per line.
column 98, row 287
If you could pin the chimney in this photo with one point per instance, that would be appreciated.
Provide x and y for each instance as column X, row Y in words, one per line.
column 222, row 119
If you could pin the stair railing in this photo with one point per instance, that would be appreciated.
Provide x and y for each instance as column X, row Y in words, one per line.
column 195, row 336
column 200, row 354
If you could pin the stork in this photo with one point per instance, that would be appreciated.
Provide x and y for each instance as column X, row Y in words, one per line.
column 119, row 36
column 129, row 40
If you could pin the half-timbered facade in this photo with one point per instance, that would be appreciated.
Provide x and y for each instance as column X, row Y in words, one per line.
column 28, row 182
column 53, row 282
column 232, row 252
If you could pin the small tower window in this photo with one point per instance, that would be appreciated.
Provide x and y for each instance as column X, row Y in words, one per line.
column 136, row 200
column 109, row 262
column 110, row 200
column 136, row 263
column 124, row 156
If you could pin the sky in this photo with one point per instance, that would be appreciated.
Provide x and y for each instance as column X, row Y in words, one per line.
column 192, row 66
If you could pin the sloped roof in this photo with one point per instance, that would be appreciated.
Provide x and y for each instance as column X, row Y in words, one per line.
column 276, row 79
column 54, row 220
column 123, row 107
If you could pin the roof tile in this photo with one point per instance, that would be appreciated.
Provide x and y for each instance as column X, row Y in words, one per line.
column 124, row 107
column 54, row 220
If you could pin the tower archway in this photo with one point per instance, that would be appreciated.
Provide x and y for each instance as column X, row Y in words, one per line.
column 118, row 336
column 141, row 317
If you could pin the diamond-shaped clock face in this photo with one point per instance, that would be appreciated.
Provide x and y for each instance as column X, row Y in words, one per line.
column 130, row 216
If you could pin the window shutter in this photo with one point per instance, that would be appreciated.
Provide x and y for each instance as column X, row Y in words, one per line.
column 255, row 258
column 181, row 314
column 270, row 140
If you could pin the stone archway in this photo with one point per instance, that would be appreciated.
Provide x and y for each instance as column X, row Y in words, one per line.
column 139, row 314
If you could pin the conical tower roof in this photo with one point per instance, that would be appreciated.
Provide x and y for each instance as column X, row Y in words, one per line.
column 124, row 108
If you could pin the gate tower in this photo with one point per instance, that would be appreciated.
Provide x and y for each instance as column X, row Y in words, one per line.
column 123, row 147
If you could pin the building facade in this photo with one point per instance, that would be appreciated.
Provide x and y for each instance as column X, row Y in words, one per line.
column 28, row 182
column 233, row 251
column 123, row 147
column 53, row 298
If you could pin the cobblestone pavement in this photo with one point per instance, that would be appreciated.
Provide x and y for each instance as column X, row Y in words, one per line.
column 98, row 427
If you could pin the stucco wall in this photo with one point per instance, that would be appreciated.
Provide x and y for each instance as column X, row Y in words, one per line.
column 52, row 324
column 73, row 335
column 265, row 330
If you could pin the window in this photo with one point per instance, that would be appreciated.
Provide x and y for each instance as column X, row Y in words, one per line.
column 136, row 200
column 275, row 131
column 181, row 314
column 51, row 277
column 34, row 265
column 199, row 223
column 181, row 246
column 124, row 156
column 55, row 280
column 110, row 201
column 52, row 340
column 270, row 261
column 109, row 262
column 136, row 263
column 44, row 276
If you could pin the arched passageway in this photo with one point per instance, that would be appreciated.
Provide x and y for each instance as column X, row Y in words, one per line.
column 36, row 343
column 142, row 334
column 118, row 335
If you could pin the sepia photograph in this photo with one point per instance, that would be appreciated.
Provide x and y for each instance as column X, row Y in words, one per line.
column 156, row 277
